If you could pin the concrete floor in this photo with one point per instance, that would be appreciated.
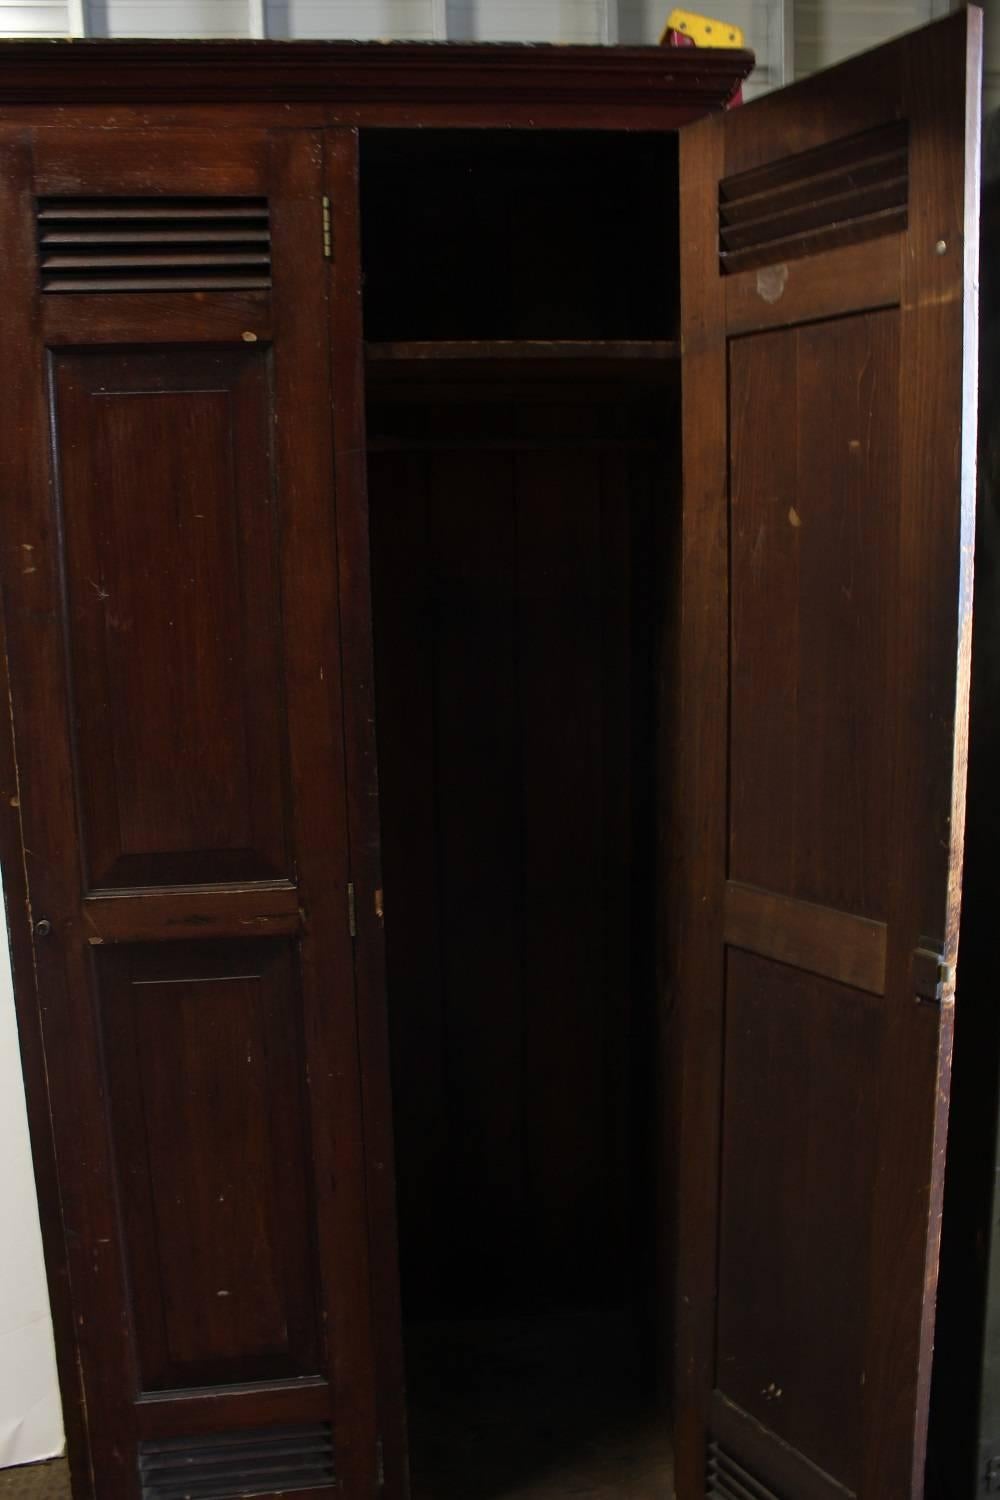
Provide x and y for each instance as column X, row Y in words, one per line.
column 36, row 1482
column 534, row 1409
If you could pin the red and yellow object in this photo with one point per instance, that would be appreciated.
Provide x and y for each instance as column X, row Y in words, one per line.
column 686, row 28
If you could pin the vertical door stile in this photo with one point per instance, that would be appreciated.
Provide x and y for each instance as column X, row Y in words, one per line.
column 349, row 434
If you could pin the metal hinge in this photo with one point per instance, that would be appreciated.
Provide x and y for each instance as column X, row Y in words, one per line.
column 932, row 977
column 379, row 1464
column 992, row 1476
column 352, row 910
column 327, row 229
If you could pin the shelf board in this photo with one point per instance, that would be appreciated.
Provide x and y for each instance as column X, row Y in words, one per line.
column 501, row 357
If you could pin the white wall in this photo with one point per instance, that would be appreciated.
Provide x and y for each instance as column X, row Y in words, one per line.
column 30, row 1415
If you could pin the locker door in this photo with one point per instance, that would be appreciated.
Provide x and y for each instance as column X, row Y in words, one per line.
column 172, row 619
column 829, row 243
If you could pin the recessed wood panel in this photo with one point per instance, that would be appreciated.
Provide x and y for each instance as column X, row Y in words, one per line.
column 799, row 1144
column 815, row 515
column 206, row 1087
column 174, row 626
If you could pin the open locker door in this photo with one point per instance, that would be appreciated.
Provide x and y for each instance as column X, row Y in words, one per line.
column 829, row 239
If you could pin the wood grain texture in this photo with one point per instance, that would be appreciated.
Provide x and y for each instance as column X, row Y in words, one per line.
column 760, row 1449
column 150, row 318
column 586, row 81
column 694, row 1039
column 314, row 694
column 181, row 774
column 819, row 939
column 802, row 1060
column 814, row 523
column 100, row 1345
column 930, row 673
column 888, row 666
column 151, row 916
column 272, row 1065
column 21, row 467
column 204, row 1059
column 169, row 1414
column 356, row 645
column 836, row 282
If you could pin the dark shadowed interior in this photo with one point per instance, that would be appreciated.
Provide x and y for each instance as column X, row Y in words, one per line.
column 522, row 505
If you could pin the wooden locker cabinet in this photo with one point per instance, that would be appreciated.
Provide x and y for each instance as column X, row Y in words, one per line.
column 661, row 452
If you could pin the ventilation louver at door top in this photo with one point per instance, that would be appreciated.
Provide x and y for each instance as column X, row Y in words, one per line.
column 153, row 244
column 841, row 193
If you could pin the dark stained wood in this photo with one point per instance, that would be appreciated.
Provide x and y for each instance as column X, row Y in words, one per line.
column 965, row 1410
column 803, row 179
column 204, row 1064
column 181, row 775
column 221, row 561
column 836, row 282
column 590, row 83
column 814, row 517
column 756, row 1447
column 100, row 1343
column 23, row 467
column 610, row 357
column 802, row 1059
column 151, row 161
column 931, row 652
column 693, row 1038
column 314, row 696
column 208, row 785
column 156, row 317
column 356, row 646
column 819, row 939
column 206, row 912
column 850, row 503
column 403, row 613
column 172, row 1414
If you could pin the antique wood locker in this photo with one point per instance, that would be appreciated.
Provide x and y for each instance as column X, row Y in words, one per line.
column 613, row 467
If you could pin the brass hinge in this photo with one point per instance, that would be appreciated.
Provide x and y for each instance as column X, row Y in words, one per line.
column 352, row 910
column 327, row 229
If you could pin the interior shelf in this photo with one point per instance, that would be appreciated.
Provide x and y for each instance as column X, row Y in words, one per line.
column 486, row 357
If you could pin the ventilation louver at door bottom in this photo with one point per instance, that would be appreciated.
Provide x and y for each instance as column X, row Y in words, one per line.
column 153, row 244
column 842, row 193
column 729, row 1480
column 217, row 1466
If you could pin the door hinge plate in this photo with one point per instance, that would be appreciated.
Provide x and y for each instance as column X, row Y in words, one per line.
column 327, row 229
column 352, row 910
column 991, row 1476
column 931, row 975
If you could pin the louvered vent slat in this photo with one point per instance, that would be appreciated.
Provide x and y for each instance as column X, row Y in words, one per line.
column 153, row 244
column 839, row 194
column 221, row 1465
column 727, row 1479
